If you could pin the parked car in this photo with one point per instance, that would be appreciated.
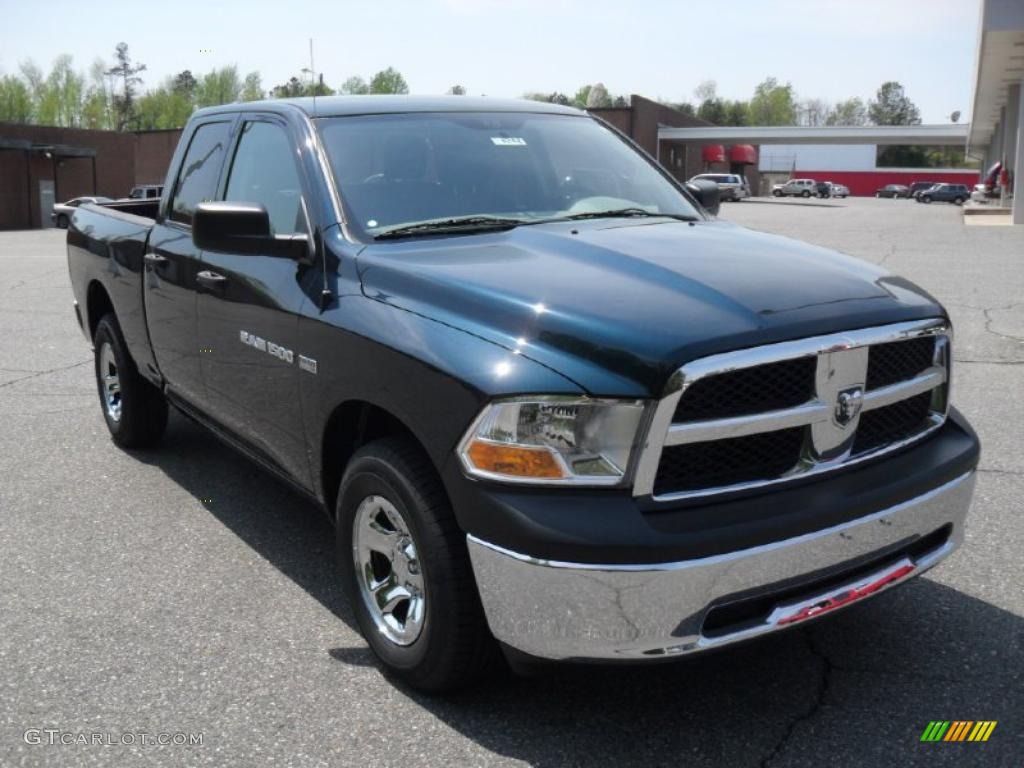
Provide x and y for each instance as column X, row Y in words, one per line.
column 732, row 186
column 795, row 188
column 893, row 190
column 823, row 189
column 146, row 192
column 980, row 194
column 62, row 212
column 946, row 193
column 840, row 190
column 552, row 406
column 918, row 187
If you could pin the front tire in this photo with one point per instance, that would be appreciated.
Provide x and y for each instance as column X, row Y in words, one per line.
column 135, row 411
column 926, row 199
column 406, row 571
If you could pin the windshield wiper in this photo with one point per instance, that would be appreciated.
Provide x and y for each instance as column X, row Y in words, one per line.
column 622, row 212
column 461, row 224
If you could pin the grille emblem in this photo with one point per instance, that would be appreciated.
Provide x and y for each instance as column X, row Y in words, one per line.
column 848, row 405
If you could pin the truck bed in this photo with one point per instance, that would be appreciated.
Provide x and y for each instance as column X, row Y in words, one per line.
column 106, row 251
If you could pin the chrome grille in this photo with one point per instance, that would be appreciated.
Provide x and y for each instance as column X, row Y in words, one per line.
column 774, row 413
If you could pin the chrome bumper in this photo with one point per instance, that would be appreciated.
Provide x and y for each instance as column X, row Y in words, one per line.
column 559, row 610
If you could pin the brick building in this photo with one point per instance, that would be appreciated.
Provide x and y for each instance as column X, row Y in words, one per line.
column 41, row 165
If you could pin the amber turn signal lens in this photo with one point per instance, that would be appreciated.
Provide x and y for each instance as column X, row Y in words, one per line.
column 513, row 460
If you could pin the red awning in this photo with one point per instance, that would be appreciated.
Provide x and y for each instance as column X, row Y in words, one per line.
column 713, row 153
column 742, row 153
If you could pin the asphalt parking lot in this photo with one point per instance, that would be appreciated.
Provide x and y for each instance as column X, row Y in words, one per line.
column 183, row 591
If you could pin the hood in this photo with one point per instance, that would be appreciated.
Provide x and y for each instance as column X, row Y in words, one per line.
column 617, row 306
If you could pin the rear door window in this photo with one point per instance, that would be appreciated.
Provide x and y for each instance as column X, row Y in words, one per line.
column 198, row 175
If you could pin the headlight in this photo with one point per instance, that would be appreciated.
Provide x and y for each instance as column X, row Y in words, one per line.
column 553, row 440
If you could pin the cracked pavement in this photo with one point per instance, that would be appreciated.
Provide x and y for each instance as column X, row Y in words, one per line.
column 182, row 590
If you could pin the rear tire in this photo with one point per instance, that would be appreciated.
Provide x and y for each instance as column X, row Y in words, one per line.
column 134, row 409
column 776, row 193
column 805, row 193
column 958, row 200
column 62, row 221
column 398, row 543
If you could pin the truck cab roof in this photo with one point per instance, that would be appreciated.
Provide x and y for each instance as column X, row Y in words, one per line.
column 337, row 106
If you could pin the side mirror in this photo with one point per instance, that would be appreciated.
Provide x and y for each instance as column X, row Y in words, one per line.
column 707, row 194
column 243, row 228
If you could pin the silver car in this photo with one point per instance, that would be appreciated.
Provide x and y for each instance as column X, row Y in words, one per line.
column 62, row 212
column 796, row 188
column 731, row 186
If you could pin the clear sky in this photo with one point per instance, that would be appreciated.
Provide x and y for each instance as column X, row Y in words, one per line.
column 830, row 49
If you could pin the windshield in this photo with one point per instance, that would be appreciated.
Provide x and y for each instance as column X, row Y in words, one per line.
column 405, row 169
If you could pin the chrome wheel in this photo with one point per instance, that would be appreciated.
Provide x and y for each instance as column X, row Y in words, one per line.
column 388, row 570
column 110, row 382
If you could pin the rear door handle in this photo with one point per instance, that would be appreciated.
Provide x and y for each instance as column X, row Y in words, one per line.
column 211, row 279
column 155, row 258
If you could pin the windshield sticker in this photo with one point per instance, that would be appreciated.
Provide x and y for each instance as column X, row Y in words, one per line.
column 504, row 141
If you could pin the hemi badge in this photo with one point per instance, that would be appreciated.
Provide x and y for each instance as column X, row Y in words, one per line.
column 307, row 364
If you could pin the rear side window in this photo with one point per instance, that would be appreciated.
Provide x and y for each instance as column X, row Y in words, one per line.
column 197, row 177
column 264, row 171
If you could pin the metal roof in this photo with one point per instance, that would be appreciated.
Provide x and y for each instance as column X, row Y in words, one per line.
column 945, row 134
column 998, row 64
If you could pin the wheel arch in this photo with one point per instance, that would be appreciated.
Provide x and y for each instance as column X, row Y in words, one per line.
column 97, row 304
column 351, row 425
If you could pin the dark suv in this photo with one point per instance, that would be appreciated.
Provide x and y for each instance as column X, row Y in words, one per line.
column 947, row 193
column 920, row 186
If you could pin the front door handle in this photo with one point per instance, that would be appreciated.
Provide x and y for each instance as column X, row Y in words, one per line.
column 155, row 258
column 211, row 279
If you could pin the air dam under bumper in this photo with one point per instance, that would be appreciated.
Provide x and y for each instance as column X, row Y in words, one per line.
column 558, row 610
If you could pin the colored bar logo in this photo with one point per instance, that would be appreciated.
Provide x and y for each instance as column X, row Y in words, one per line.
column 959, row 730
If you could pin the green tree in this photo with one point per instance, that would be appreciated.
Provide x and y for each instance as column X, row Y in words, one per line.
column 713, row 110
column 457, row 90
column 167, row 106
column 185, row 83
column 252, row 88
column 736, row 112
column 388, row 80
column 891, row 106
column 773, row 104
column 96, row 110
column 15, row 100
column 580, row 99
column 290, row 90
column 218, row 86
column 598, row 97
column 124, row 102
column 848, row 112
column 355, row 86
column 65, row 94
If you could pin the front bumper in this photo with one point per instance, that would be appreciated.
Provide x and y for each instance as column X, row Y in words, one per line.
column 562, row 610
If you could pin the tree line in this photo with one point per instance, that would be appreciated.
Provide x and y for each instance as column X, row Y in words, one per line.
column 109, row 96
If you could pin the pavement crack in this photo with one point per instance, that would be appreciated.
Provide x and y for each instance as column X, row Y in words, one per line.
column 1011, row 472
column 989, row 320
column 824, row 683
column 37, row 374
column 989, row 362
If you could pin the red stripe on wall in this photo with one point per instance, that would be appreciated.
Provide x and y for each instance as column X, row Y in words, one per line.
column 866, row 183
